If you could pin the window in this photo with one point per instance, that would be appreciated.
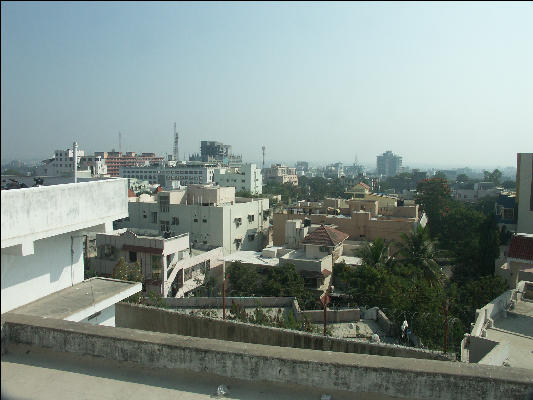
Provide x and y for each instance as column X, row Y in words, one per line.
column 175, row 221
column 108, row 250
column 156, row 266
column 133, row 256
column 187, row 274
column 196, row 220
column 238, row 243
column 204, row 220
column 154, row 217
column 238, row 221
column 251, row 218
column 165, row 227
column 325, row 249
column 251, row 237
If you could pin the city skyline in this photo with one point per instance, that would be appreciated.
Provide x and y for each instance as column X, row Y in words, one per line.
column 444, row 85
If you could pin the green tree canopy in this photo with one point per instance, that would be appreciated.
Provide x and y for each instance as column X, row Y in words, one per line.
column 127, row 272
column 375, row 254
column 418, row 250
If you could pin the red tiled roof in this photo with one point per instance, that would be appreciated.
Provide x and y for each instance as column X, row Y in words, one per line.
column 131, row 193
column 325, row 236
column 364, row 185
column 521, row 247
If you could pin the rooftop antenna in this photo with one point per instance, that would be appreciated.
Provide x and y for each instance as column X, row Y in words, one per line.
column 263, row 148
column 176, row 147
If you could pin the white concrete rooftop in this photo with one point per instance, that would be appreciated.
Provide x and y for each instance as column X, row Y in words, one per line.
column 516, row 329
column 251, row 257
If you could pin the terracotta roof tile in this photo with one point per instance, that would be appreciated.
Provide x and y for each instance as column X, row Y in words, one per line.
column 131, row 193
column 325, row 236
column 521, row 247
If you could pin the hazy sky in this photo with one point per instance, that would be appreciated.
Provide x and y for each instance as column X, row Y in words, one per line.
column 437, row 83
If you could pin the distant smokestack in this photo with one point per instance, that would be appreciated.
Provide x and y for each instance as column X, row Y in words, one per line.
column 75, row 159
column 263, row 148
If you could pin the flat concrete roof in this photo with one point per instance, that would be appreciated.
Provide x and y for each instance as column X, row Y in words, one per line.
column 79, row 297
column 350, row 260
column 516, row 329
column 251, row 257
column 29, row 372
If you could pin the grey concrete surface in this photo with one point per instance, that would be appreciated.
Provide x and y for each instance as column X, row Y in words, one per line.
column 35, row 373
column 357, row 373
column 73, row 299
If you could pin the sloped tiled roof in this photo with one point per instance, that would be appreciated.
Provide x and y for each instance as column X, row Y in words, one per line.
column 521, row 247
column 364, row 185
column 131, row 193
column 325, row 236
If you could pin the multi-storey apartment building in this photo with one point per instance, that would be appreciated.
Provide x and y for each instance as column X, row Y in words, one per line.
column 212, row 216
column 62, row 164
column 114, row 160
column 281, row 174
column 388, row 164
column 211, row 151
column 168, row 265
column 244, row 178
column 187, row 173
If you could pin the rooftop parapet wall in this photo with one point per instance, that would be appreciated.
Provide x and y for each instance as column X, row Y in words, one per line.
column 412, row 378
column 40, row 212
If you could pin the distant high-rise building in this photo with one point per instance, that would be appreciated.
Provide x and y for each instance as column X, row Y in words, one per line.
column 389, row 164
column 211, row 151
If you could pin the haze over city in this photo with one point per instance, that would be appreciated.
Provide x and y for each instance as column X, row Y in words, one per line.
column 441, row 84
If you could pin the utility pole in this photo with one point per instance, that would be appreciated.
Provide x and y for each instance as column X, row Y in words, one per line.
column 224, row 290
column 75, row 161
column 446, row 325
column 325, row 300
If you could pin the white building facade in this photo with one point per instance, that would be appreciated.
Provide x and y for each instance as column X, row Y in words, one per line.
column 212, row 216
column 187, row 173
column 244, row 178
column 62, row 164
column 43, row 232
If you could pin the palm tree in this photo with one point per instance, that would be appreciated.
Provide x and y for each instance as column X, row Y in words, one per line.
column 375, row 254
column 418, row 249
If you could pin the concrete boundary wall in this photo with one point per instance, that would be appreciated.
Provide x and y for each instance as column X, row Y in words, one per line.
column 168, row 321
column 411, row 378
column 343, row 315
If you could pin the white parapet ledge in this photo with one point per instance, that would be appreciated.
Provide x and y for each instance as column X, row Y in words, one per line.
column 32, row 214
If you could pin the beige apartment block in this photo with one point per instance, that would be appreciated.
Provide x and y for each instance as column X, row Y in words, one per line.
column 169, row 266
column 359, row 226
column 281, row 174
